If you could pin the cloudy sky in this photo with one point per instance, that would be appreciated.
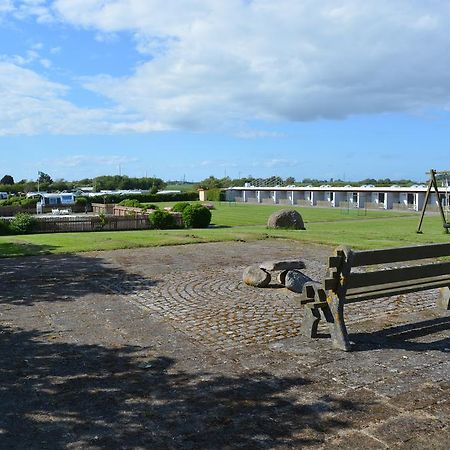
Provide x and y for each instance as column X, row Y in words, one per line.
column 305, row 88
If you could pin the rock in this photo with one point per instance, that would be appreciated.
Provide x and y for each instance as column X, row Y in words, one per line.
column 254, row 276
column 282, row 265
column 295, row 280
column 286, row 218
column 282, row 277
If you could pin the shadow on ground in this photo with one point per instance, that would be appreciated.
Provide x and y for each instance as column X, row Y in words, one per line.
column 407, row 337
column 28, row 280
column 56, row 394
column 11, row 249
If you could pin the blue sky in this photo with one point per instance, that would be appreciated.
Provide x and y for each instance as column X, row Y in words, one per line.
column 303, row 88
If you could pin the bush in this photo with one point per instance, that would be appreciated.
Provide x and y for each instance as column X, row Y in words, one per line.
column 180, row 206
column 215, row 195
column 23, row 223
column 150, row 206
column 19, row 201
column 132, row 203
column 4, row 227
column 81, row 201
column 162, row 220
column 196, row 216
column 150, row 198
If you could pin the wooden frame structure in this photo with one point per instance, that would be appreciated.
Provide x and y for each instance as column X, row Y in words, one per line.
column 433, row 184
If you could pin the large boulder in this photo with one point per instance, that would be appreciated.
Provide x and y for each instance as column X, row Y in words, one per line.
column 254, row 276
column 286, row 218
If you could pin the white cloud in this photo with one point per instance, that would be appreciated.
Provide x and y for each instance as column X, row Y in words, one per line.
column 83, row 160
column 277, row 162
column 258, row 134
column 32, row 105
column 286, row 60
column 6, row 6
column 217, row 64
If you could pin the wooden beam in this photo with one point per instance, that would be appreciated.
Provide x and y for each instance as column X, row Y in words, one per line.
column 411, row 274
column 400, row 254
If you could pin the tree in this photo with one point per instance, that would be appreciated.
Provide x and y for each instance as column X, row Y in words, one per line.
column 289, row 181
column 7, row 179
column 44, row 178
column 210, row 183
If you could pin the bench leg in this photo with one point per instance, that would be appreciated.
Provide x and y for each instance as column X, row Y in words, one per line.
column 443, row 301
column 310, row 322
column 334, row 315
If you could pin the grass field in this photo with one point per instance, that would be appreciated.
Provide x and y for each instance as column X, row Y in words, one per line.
column 233, row 222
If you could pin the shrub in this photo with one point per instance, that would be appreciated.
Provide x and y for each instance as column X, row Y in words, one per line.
column 102, row 220
column 4, row 227
column 151, row 198
column 180, row 206
column 19, row 201
column 196, row 216
column 133, row 203
column 81, row 201
column 162, row 220
column 215, row 195
column 151, row 206
column 23, row 223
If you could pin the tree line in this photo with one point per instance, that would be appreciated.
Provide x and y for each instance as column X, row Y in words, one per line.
column 153, row 184
column 105, row 182
column 218, row 183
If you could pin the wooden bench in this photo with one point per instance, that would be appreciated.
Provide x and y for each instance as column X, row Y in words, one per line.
column 342, row 286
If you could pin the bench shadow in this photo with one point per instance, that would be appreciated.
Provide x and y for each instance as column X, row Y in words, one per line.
column 404, row 337
column 61, row 395
column 53, row 278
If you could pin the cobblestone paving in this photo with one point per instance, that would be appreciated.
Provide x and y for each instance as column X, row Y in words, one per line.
column 216, row 308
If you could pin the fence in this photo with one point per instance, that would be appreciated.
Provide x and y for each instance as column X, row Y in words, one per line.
column 373, row 205
column 66, row 224
column 103, row 208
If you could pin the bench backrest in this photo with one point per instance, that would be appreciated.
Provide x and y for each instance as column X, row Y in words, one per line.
column 389, row 281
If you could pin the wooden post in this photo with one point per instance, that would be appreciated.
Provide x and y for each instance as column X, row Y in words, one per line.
column 443, row 301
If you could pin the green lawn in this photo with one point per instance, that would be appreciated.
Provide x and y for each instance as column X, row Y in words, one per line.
column 231, row 222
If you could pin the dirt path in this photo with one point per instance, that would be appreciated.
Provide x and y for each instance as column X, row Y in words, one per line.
column 165, row 348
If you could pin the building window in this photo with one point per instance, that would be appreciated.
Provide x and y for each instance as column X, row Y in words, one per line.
column 410, row 199
column 331, row 196
column 354, row 197
column 381, row 197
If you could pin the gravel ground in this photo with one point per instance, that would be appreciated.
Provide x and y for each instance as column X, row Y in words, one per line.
column 166, row 348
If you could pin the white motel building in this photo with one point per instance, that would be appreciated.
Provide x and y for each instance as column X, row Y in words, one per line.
column 366, row 196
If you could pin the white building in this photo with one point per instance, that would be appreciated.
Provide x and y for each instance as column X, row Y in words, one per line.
column 368, row 196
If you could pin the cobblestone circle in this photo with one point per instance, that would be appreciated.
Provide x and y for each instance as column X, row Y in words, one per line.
column 216, row 308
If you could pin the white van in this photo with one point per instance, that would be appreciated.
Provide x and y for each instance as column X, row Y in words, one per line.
column 3, row 195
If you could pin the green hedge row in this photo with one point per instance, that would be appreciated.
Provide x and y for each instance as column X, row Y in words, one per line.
column 146, row 198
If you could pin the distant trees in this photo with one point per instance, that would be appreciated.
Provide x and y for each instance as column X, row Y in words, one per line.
column 44, row 178
column 113, row 182
column 7, row 180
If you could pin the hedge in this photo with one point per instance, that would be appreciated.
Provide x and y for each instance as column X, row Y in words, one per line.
column 146, row 198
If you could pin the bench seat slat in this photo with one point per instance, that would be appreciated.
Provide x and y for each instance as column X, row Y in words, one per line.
column 404, row 274
column 355, row 296
column 399, row 254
